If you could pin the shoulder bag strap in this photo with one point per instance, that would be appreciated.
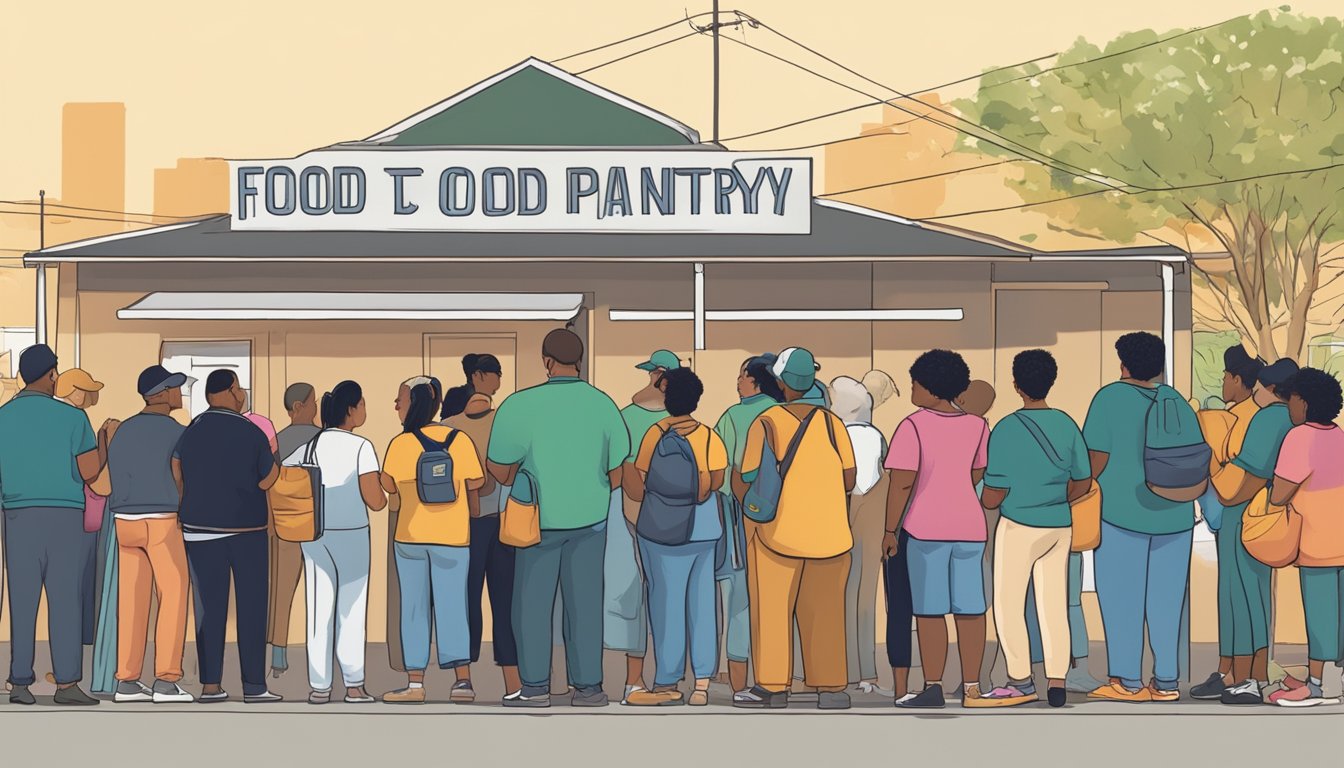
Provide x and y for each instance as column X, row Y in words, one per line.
column 452, row 435
column 786, row 460
column 1046, row 446
column 310, row 456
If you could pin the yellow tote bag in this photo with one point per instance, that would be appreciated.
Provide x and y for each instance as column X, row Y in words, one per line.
column 520, row 522
column 1087, row 520
column 1270, row 533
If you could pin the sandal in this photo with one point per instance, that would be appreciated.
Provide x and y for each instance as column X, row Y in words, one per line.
column 699, row 698
column 319, row 697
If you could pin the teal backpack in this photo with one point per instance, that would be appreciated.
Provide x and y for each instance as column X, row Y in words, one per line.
column 1175, row 457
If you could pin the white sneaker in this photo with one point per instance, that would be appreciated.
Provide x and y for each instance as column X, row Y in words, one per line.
column 874, row 689
column 171, row 693
column 906, row 697
column 131, row 692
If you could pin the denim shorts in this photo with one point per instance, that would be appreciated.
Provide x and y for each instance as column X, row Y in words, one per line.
column 947, row 577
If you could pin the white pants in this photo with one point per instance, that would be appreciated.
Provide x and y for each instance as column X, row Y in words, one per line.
column 336, row 582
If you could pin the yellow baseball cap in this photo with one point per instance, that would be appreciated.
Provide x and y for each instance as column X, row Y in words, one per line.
column 75, row 379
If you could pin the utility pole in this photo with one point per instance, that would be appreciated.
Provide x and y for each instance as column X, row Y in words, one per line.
column 715, row 26
column 40, row 322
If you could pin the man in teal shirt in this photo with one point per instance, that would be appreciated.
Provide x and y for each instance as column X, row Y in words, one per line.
column 47, row 453
column 570, row 439
column 1143, row 564
column 625, row 626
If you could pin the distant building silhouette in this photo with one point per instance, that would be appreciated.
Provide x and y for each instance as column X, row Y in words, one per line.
column 195, row 186
column 93, row 155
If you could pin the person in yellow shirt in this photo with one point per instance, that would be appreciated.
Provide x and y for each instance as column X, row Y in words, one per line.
column 432, row 543
column 798, row 562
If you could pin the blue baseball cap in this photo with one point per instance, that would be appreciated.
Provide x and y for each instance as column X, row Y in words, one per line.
column 35, row 362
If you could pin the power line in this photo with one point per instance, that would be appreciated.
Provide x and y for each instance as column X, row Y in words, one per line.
column 637, row 53
column 655, row 30
column 996, row 70
column 916, row 178
column 94, row 210
column 73, row 216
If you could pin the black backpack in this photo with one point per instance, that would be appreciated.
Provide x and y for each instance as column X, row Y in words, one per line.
column 434, row 471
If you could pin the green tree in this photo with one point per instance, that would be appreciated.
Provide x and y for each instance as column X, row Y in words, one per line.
column 1196, row 132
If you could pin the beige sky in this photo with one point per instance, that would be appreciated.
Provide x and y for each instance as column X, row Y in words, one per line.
column 259, row 78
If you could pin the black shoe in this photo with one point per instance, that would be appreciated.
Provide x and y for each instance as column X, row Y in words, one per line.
column 1057, row 697
column 592, row 696
column 1245, row 695
column 20, row 694
column 929, row 698
column 72, row 696
column 757, row 697
column 832, row 700
column 1209, row 690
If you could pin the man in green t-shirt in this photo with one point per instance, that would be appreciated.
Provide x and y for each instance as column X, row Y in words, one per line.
column 570, row 439
column 625, row 626
column 1143, row 564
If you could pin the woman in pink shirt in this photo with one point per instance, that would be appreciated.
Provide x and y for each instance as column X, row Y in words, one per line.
column 937, row 456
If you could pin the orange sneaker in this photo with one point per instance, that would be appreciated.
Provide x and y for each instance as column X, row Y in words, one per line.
column 1117, row 692
column 1161, row 695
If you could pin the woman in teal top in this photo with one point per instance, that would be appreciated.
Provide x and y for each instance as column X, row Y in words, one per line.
column 759, row 390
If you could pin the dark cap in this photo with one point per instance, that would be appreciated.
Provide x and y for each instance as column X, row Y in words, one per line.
column 1278, row 372
column 156, row 379
column 35, row 362
column 1236, row 358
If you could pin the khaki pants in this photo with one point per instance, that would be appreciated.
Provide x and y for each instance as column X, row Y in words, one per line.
column 781, row 588
column 1025, row 555
column 286, row 568
column 151, row 559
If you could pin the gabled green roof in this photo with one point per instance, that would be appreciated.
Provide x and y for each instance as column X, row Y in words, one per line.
column 537, row 104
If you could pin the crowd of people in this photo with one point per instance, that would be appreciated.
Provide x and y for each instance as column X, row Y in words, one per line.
column 761, row 539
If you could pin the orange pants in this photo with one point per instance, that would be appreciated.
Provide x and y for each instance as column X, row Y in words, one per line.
column 151, row 555
column 781, row 588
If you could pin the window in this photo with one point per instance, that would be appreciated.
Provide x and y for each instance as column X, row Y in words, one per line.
column 13, row 341
column 196, row 359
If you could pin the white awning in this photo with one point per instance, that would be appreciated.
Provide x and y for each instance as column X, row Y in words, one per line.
column 557, row 307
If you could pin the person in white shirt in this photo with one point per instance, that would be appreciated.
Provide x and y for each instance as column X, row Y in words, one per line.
column 853, row 403
column 336, row 565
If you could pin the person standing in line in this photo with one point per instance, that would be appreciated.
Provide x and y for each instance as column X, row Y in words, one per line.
column 48, row 453
column 1309, row 477
column 625, row 623
column 680, row 574
column 287, row 556
column 1143, row 563
column 402, row 406
column 492, row 562
column 569, row 437
column 1038, row 463
column 433, row 543
column 758, row 391
column 937, row 457
column 1237, row 634
column 266, row 426
column 152, row 557
column 798, row 562
column 225, row 466
column 867, row 519
column 1251, row 580
column 336, row 565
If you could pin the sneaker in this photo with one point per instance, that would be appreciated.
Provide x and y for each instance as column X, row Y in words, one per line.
column 1291, row 683
column 1209, row 690
column 1057, row 697
column 462, row 692
column 644, row 698
column 1246, row 694
column 319, row 697
column 363, row 698
column 592, row 696
column 265, row 697
column 131, row 691
column 1309, row 695
column 166, row 692
column 873, row 689
column 72, row 696
column 1164, row 695
column 19, row 694
column 1114, row 691
column 931, row 697
column 906, row 697
column 522, row 699
column 1007, row 696
column 405, row 695
column 1079, row 680
column 213, row 698
column 630, row 690
column 757, row 697
column 832, row 700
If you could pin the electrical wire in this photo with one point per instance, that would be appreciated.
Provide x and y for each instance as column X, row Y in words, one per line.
column 916, row 178
column 655, row 30
column 93, row 210
column 81, row 218
column 637, row 53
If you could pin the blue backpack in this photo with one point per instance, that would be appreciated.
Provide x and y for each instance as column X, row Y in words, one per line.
column 671, row 491
column 761, row 501
column 1175, row 456
column 434, row 471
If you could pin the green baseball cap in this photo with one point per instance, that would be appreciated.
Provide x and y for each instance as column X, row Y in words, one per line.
column 797, row 368
column 661, row 359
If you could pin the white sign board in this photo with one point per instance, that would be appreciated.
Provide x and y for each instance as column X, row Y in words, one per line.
column 525, row 191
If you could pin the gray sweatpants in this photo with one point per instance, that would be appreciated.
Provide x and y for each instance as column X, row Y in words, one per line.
column 46, row 547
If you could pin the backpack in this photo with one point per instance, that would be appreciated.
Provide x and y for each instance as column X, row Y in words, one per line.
column 671, row 491
column 434, row 470
column 761, row 501
column 296, row 499
column 1175, row 456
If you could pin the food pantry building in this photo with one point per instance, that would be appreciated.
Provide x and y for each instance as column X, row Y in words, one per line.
column 475, row 227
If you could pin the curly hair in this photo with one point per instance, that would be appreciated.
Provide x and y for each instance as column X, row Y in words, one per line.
column 1034, row 372
column 681, row 391
column 1320, row 390
column 942, row 372
column 1143, row 355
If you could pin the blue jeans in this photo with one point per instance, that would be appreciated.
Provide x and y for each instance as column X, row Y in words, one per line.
column 736, row 616
column 568, row 562
column 433, row 581
column 1077, row 621
column 681, row 607
column 1141, row 579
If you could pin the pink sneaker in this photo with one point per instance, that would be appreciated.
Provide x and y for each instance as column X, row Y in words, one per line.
column 1305, row 695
